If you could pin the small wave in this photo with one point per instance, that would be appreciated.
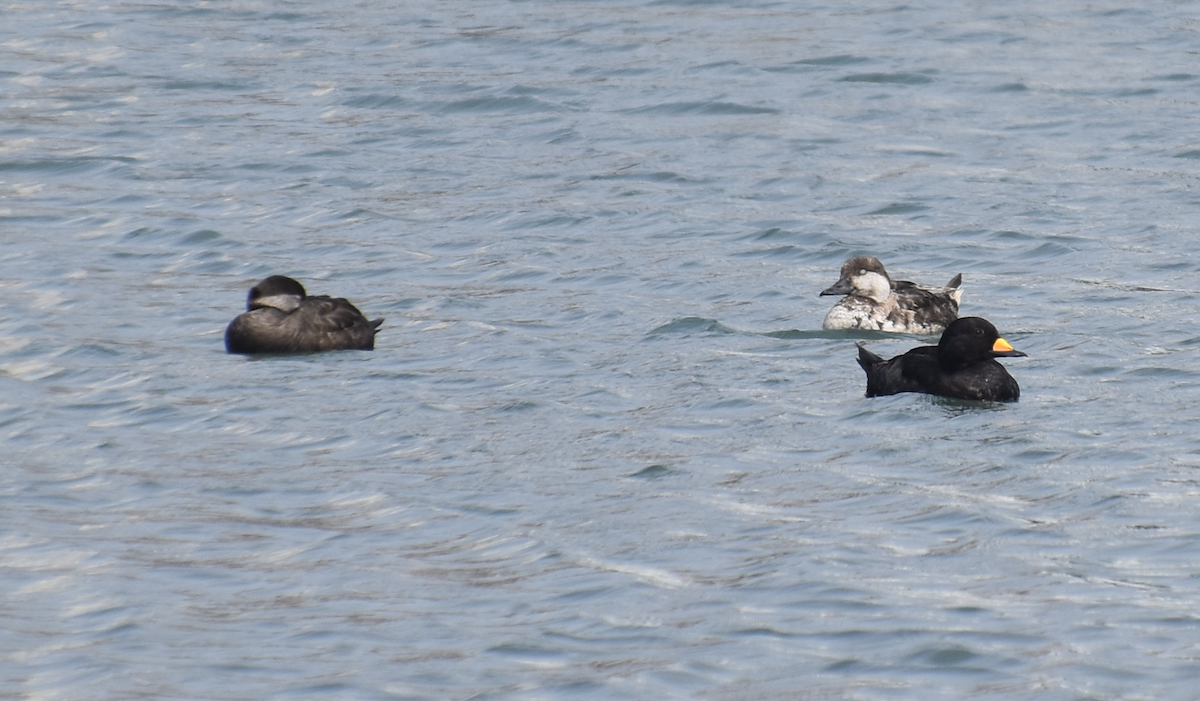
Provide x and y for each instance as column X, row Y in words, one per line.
column 894, row 78
column 1047, row 250
column 66, row 165
column 900, row 208
column 201, row 236
column 689, row 325
column 835, row 60
column 702, row 108
column 653, row 472
column 522, row 104
column 662, row 176
column 375, row 101
column 809, row 65
column 202, row 85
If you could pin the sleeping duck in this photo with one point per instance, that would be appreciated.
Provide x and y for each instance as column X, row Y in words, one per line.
column 281, row 318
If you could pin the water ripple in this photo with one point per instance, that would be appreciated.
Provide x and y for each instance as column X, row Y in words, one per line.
column 603, row 448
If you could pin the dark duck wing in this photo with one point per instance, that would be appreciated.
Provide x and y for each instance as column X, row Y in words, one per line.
column 928, row 307
column 331, row 323
column 904, row 373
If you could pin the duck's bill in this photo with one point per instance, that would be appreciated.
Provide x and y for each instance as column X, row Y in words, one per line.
column 841, row 288
column 1002, row 348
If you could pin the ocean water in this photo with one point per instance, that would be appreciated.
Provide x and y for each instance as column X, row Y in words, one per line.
column 603, row 449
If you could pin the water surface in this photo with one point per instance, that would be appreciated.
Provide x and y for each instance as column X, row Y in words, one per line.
column 603, row 449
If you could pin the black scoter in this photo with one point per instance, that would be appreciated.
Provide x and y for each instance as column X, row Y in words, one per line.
column 960, row 366
column 282, row 318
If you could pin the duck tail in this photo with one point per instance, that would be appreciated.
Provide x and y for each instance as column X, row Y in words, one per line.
column 953, row 288
column 867, row 360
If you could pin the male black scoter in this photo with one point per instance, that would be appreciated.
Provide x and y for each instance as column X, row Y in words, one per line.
column 281, row 318
column 960, row 366
column 875, row 302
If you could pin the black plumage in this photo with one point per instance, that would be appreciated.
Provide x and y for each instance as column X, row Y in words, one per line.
column 962, row 366
column 282, row 318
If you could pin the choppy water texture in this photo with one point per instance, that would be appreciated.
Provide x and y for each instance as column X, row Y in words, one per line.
column 603, row 449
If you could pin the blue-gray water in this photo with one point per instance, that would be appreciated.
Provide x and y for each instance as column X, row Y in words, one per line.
column 602, row 449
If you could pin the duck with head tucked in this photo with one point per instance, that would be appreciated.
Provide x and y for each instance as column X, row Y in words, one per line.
column 281, row 318
column 873, row 301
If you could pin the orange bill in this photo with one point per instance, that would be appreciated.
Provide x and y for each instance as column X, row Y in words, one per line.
column 1003, row 347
